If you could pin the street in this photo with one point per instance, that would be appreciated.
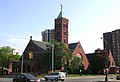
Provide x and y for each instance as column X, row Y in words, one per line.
column 74, row 79
column 86, row 79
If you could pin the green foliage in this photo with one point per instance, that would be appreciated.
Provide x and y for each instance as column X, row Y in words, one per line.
column 76, row 65
column 6, row 55
column 99, row 62
column 62, row 54
column 48, row 57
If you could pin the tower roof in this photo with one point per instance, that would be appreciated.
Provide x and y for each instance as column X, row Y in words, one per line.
column 73, row 45
column 60, row 14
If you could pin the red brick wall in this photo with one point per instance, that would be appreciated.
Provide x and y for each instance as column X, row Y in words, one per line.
column 79, row 50
column 112, row 62
column 61, row 30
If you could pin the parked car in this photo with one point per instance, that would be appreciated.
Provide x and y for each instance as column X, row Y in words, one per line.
column 55, row 76
column 118, row 77
column 25, row 77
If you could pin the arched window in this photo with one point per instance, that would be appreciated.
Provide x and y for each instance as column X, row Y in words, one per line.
column 79, row 55
column 31, row 55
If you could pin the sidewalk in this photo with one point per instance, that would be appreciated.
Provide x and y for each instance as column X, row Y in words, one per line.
column 9, row 78
column 6, row 79
column 102, row 77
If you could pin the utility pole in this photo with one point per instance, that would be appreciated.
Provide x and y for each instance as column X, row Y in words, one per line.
column 22, row 65
column 52, row 57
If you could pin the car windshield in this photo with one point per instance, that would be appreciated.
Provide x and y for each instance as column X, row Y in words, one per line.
column 55, row 73
column 29, row 76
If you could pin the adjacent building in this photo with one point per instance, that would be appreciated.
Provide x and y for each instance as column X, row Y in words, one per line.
column 91, row 59
column 107, row 41
column 111, row 42
column 32, row 58
column 47, row 35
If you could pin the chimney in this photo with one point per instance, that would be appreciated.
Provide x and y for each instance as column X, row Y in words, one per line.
column 30, row 37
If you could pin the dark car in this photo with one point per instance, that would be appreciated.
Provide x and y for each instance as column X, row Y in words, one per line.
column 25, row 77
column 118, row 77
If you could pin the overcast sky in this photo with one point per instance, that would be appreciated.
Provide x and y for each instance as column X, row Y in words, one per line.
column 88, row 20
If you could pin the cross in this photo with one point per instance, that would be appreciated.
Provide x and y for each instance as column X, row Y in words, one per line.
column 61, row 7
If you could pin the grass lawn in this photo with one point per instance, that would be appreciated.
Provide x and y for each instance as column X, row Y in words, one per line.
column 75, row 75
column 41, row 76
column 69, row 75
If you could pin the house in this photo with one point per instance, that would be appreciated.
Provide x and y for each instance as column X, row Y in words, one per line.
column 32, row 58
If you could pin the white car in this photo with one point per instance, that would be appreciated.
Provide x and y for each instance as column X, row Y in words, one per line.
column 55, row 76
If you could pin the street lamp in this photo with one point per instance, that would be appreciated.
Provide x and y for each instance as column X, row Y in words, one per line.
column 80, row 72
column 106, row 63
column 22, row 64
column 52, row 57
column 106, row 73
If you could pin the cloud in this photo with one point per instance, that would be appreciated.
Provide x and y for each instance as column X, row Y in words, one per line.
column 21, row 40
column 16, row 42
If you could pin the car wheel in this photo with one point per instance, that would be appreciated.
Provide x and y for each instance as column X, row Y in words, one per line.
column 118, row 78
column 56, row 79
column 46, row 79
column 62, row 79
column 51, row 79
column 14, row 81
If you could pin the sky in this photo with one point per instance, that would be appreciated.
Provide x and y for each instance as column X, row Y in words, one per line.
column 88, row 20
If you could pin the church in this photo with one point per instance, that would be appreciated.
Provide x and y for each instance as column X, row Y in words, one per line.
column 32, row 60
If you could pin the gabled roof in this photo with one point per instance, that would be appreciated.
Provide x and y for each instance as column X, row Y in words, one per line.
column 72, row 45
column 40, row 44
column 90, row 56
column 77, row 49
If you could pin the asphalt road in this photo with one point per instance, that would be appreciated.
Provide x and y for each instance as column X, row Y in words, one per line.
column 74, row 79
column 86, row 79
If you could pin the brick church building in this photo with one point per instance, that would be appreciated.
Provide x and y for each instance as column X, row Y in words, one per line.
column 32, row 59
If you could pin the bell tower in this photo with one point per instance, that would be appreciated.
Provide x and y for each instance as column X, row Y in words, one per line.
column 61, row 29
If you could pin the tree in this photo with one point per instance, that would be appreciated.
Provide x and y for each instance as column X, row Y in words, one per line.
column 6, row 55
column 62, row 55
column 99, row 62
column 76, row 65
